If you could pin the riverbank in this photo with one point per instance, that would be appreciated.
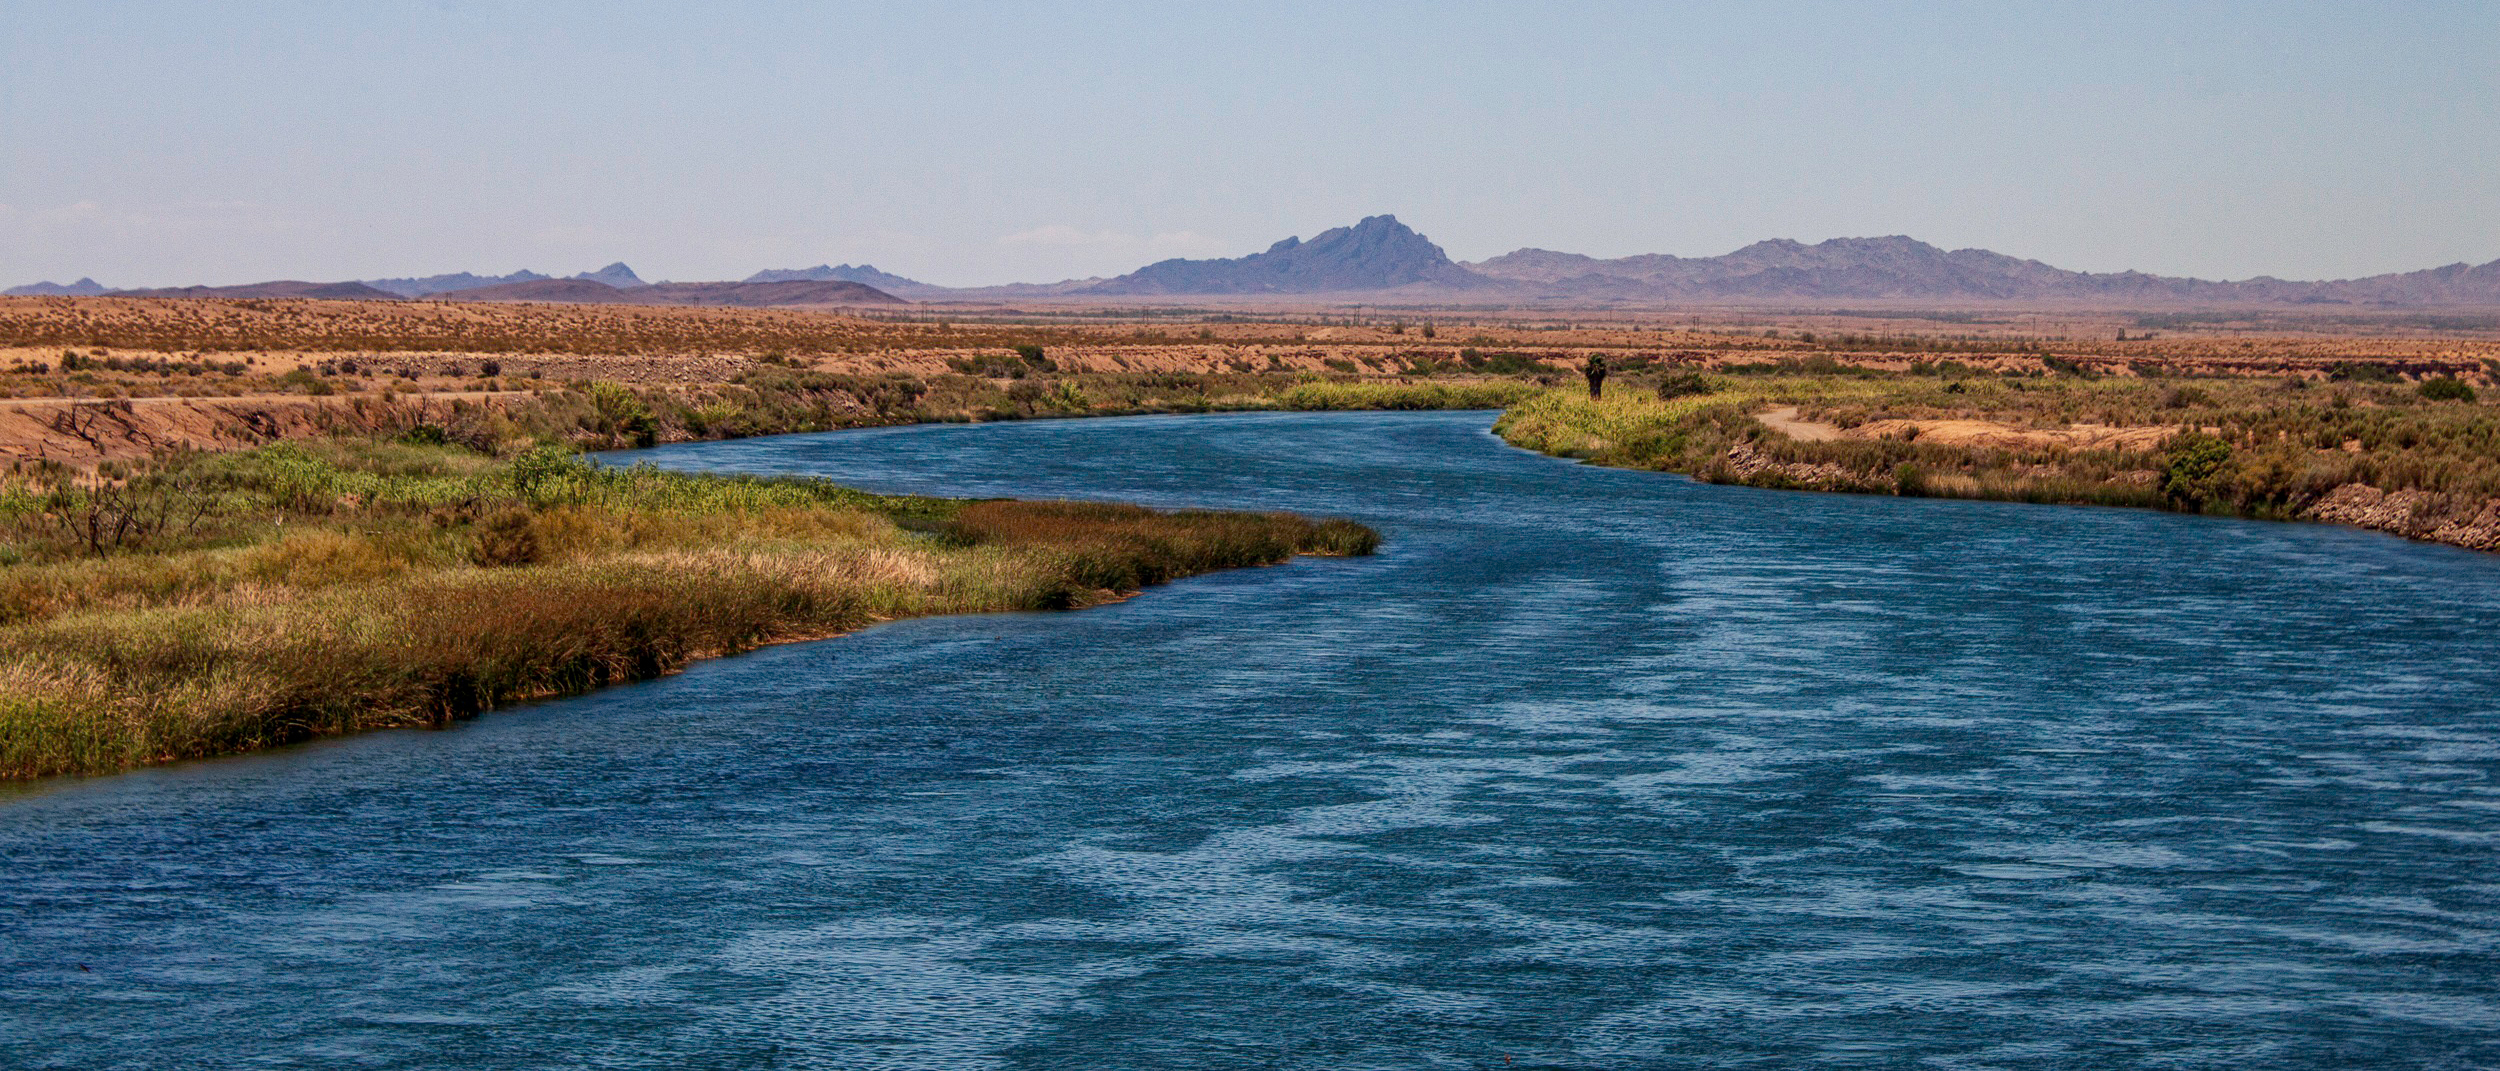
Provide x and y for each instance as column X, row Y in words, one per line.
column 159, row 602
column 81, row 433
column 208, row 604
column 1548, row 726
column 2416, row 459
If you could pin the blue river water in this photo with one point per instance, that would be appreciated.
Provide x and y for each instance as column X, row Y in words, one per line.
column 1587, row 769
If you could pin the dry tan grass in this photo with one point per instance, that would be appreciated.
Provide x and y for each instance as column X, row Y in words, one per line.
column 312, row 615
column 1989, row 434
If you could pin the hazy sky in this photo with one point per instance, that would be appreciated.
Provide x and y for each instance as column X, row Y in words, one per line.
column 169, row 143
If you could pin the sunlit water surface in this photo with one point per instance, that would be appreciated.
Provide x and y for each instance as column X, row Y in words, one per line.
column 1588, row 768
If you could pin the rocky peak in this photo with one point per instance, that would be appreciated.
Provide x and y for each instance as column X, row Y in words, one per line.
column 1378, row 253
column 616, row 275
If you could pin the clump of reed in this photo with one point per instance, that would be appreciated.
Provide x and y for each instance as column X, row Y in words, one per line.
column 338, row 588
column 1493, row 394
column 1627, row 428
column 1120, row 547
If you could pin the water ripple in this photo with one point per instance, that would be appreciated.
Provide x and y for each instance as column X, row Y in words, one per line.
column 1587, row 769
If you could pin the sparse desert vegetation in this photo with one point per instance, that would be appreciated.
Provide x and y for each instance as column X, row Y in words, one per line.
column 2367, row 417
column 82, row 380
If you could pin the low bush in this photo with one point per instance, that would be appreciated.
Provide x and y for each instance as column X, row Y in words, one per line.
column 2361, row 372
column 2446, row 389
column 1682, row 385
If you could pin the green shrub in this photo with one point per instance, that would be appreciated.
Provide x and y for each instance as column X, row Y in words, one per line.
column 2361, row 372
column 305, row 380
column 2193, row 469
column 2186, row 398
column 1683, row 384
column 2446, row 389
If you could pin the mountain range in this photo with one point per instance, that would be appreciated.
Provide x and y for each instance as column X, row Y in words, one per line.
column 585, row 291
column 614, row 284
column 436, row 284
column 863, row 274
column 1382, row 256
column 1899, row 268
column 81, row 288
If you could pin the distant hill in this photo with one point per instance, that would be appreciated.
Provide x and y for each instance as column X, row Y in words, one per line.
column 864, row 274
column 760, row 295
column 2455, row 284
column 1901, row 268
column 1378, row 253
column 737, row 295
column 1874, row 268
column 81, row 288
column 1015, row 291
column 436, row 284
column 616, row 275
column 575, row 291
column 284, row 288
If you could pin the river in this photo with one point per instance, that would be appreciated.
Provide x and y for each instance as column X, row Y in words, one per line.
column 1587, row 768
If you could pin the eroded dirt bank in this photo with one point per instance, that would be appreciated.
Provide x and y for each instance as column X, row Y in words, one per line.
column 79, row 433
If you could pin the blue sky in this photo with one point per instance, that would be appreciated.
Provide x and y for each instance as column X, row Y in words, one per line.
column 169, row 143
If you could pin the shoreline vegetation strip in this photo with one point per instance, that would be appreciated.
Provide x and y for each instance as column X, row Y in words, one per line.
column 212, row 604
column 199, row 604
column 2415, row 460
column 2391, row 445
